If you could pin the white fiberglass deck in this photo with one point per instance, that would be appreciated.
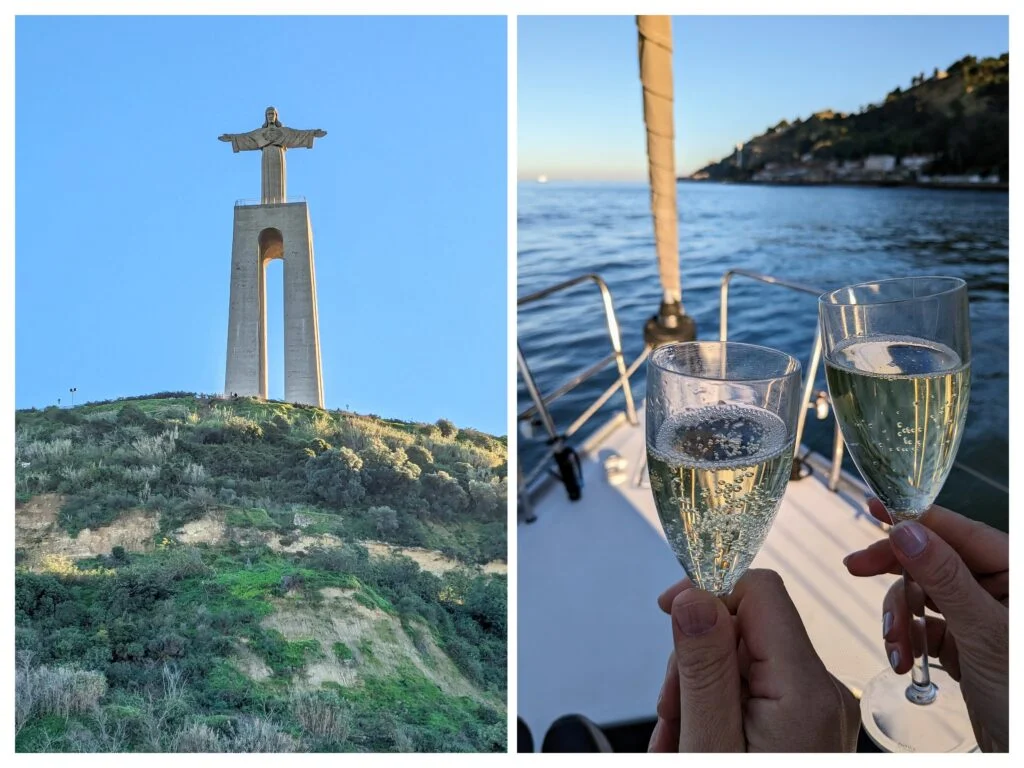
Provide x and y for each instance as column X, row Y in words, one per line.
column 592, row 639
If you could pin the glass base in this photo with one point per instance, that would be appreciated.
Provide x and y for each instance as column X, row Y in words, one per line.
column 896, row 724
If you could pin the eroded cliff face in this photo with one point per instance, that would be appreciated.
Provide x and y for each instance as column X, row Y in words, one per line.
column 38, row 534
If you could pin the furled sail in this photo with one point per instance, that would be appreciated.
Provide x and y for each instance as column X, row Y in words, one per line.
column 655, row 42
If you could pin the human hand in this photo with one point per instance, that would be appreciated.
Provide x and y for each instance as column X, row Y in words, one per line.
column 963, row 566
column 744, row 676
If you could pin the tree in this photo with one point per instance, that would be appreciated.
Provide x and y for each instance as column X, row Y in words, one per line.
column 389, row 476
column 385, row 519
column 419, row 456
column 444, row 495
column 335, row 476
column 447, row 428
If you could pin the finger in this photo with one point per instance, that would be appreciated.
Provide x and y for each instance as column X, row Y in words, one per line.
column 984, row 549
column 896, row 626
column 767, row 620
column 668, row 699
column 665, row 737
column 971, row 613
column 876, row 559
column 665, row 598
column 997, row 585
column 709, row 680
column 941, row 646
column 849, row 719
column 878, row 511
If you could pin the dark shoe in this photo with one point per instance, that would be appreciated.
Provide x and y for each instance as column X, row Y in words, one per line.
column 524, row 739
column 575, row 733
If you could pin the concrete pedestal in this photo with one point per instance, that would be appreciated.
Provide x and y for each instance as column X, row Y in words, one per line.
column 261, row 233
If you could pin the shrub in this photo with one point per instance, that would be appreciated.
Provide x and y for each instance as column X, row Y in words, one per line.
column 256, row 735
column 197, row 737
column 335, row 477
column 60, row 691
column 385, row 519
column 342, row 652
column 322, row 718
column 420, row 456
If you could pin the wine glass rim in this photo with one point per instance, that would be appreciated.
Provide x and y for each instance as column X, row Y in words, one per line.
column 793, row 364
column 955, row 284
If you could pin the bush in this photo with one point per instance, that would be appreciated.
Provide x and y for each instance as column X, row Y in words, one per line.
column 322, row 718
column 197, row 737
column 94, row 508
column 335, row 477
column 256, row 735
column 60, row 691
column 385, row 519
column 342, row 652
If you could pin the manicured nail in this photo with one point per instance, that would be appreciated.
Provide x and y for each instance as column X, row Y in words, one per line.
column 894, row 659
column 910, row 538
column 697, row 618
column 886, row 624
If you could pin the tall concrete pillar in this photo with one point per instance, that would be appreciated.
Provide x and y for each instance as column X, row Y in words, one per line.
column 262, row 233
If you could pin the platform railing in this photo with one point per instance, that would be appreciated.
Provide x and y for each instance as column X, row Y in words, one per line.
column 810, row 374
column 540, row 410
column 249, row 202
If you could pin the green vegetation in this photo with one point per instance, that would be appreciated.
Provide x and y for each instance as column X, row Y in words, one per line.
column 160, row 649
column 961, row 117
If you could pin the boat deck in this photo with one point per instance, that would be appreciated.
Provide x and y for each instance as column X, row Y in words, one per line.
column 592, row 639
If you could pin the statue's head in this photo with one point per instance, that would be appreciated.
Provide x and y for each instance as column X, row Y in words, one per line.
column 271, row 118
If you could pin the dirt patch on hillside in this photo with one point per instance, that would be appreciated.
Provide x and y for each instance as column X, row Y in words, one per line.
column 249, row 664
column 206, row 530
column 376, row 640
column 37, row 532
column 302, row 543
column 428, row 559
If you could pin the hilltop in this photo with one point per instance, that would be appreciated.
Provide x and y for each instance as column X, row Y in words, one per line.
column 211, row 575
column 954, row 123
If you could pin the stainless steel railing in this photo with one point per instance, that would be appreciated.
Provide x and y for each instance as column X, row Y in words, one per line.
column 540, row 412
column 810, row 375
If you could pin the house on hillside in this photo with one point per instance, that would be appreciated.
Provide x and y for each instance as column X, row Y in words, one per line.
column 916, row 162
column 880, row 163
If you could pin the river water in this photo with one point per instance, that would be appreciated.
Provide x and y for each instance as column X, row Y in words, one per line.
column 821, row 236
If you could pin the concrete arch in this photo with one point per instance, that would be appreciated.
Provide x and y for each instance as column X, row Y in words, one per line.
column 263, row 233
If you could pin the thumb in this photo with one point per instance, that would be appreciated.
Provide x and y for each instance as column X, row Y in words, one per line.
column 945, row 578
column 710, row 710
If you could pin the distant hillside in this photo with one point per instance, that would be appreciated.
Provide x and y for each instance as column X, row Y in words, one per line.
column 960, row 117
column 206, row 575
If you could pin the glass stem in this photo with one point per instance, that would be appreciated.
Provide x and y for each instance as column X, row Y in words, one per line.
column 921, row 689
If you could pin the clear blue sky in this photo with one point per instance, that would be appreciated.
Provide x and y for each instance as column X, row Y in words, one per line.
column 124, row 204
column 580, row 104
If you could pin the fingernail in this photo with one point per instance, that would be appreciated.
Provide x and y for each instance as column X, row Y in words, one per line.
column 697, row 618
column 886, row 624
column 894, row 659
column 910, row 538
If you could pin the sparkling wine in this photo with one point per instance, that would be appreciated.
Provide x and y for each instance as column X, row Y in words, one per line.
column 718, row 474
column 901, row 402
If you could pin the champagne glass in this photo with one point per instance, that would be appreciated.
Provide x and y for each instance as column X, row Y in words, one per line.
column 898, row 362
column 721, row 419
